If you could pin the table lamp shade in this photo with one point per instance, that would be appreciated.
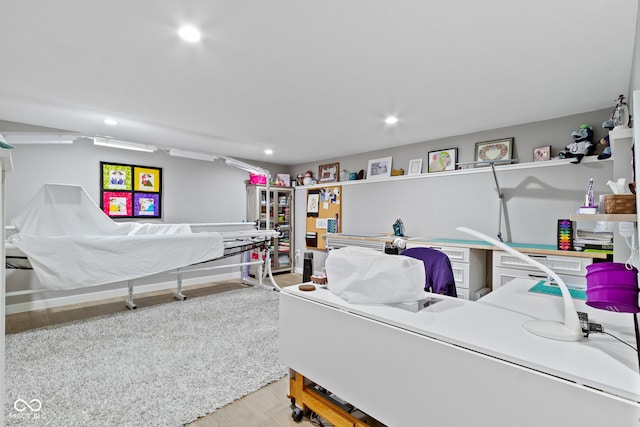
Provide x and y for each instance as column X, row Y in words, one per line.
column 612, row 286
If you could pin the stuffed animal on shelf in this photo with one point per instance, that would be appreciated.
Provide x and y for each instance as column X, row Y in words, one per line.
column 581, row 146
column 603, row 150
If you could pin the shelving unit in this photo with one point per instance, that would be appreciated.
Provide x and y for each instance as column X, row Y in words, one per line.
column 281, row 219
column 620, row 250
column 470, row 171
column 605, row 217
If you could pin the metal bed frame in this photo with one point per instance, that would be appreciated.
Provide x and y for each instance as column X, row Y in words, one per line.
column 235, row 243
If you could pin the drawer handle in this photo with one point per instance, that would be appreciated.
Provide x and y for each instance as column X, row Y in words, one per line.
column 537, row 276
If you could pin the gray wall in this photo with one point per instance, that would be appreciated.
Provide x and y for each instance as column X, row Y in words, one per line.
column 556, row 132
column 435, row 205
column 193, row 191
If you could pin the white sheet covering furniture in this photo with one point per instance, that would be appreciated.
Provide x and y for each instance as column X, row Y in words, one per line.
column 462, row 363
column 70, row 243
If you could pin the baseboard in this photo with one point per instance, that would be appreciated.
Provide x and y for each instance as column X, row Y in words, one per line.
column 112, row 293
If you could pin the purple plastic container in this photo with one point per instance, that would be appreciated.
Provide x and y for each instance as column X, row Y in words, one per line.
column 611, row 286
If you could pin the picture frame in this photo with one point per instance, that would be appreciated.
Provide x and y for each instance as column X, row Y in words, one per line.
column 146, row 179
column 116, row 176
column 329, row 173
column 283, row 179
column 117, row 204
column 379, row 168
column 542, row 153
column 146, row 205
column 415, row 167
column 130, row 191
column 494, row 151
column 313, row 203
column 442, row 160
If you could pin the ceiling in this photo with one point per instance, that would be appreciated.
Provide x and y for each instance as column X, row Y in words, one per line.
column 311, row 80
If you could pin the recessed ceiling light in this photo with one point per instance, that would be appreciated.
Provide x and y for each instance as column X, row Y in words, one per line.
column 268, row 151
column 189, row 33
column 391, row 120
column 111, row 122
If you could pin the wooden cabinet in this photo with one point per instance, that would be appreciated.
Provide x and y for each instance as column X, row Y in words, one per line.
column 280, row 218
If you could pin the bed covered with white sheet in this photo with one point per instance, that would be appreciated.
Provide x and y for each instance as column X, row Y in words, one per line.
column 70, row 243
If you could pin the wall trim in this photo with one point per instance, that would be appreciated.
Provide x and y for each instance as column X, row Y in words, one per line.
column 138, row 290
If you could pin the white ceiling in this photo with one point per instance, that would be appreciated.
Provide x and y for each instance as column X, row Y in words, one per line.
column 309, row 79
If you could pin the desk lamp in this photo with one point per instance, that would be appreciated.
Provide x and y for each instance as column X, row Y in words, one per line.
column 5, row 144
column 570, row 330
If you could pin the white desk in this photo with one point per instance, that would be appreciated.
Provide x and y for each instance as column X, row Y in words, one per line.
column 462, row 363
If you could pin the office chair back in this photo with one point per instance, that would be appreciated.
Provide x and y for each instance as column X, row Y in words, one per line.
column 437, row 269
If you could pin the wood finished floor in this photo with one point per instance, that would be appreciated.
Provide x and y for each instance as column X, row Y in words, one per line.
column 267, row 407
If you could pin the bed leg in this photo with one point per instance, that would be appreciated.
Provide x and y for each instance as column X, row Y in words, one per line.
column 130, row 302
column 178, row 293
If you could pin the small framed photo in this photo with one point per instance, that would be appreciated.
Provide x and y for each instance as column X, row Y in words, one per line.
column 494, row 151
column 415, row 167
column 313, row 203
column 329, row 172
column 283, row 179
column 379, row 168
column 542, row 153
column 442, row 160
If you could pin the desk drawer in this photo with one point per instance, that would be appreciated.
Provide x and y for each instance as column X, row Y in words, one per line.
column 559, row 264
column 455, row 254
column 502, row 276
column 460, row 274
column 462, row 293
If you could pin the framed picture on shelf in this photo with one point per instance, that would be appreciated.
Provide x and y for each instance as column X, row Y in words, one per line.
column 496, row 150
column 442, row 160
column 329, row 172
column 379, row 168
column 283, row 179
column 542, row 153
column 415, row 167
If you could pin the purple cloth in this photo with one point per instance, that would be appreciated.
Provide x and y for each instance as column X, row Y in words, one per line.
column 437, row 269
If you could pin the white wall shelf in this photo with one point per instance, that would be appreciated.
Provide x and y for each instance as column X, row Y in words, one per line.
column 605, row 217
column 469, row 171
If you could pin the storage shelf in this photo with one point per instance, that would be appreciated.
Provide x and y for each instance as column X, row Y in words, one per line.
column 468, row 171
column 605, row 217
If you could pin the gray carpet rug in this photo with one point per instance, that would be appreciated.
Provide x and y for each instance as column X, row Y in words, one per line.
column 159, row 366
